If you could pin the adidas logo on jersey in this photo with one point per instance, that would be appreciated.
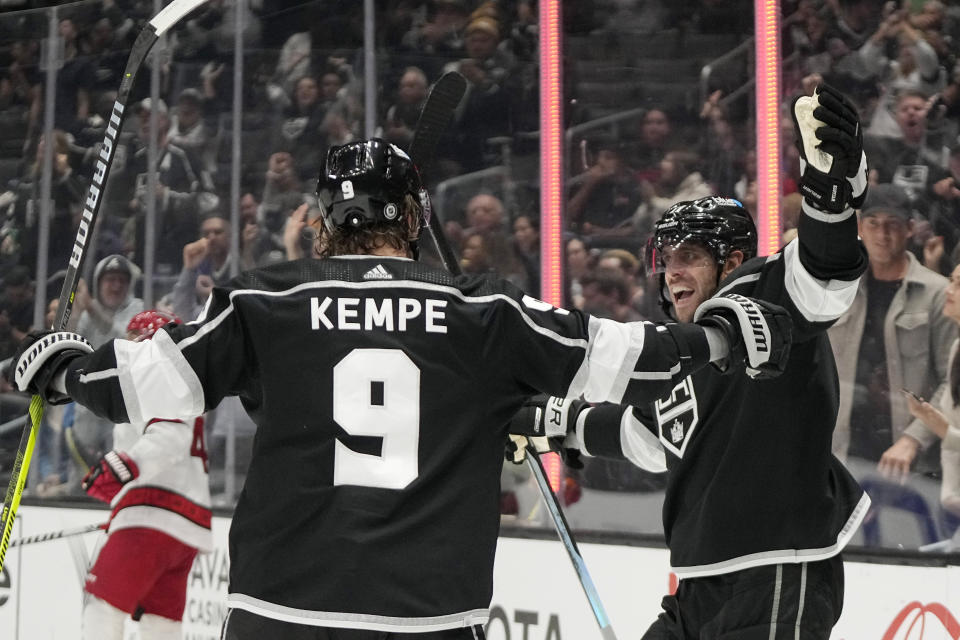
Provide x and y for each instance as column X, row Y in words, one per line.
column 377, row 273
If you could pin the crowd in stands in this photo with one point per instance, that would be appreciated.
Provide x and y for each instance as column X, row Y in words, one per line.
column 303, row 93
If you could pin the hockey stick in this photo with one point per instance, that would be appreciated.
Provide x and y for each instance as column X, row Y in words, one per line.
column 169, row 16
column 56, row 535
column 436, row 115
column 434, row 118
column 563, row 530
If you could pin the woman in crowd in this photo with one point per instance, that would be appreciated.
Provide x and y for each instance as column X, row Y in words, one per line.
column 526, row 245
column 945, row 420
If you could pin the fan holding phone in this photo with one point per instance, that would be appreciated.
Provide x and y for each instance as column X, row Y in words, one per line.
column 945, row 421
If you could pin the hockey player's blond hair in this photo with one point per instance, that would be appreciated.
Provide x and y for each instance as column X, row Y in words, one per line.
column 398, row 235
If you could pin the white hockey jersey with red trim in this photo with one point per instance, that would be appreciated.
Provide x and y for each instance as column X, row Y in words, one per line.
column 172, row 493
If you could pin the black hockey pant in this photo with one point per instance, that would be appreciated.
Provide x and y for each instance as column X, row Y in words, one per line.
column 243, row 625
column 775, row 602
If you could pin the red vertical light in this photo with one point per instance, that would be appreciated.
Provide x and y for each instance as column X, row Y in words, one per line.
column 767, row 29
column 551, row 175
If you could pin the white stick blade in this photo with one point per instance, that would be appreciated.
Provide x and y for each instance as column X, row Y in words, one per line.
column 172, row 13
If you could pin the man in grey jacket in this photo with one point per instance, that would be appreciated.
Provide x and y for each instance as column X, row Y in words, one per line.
column 893, row 337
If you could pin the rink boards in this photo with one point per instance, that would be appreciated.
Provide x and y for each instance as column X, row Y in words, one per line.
column 536, row 596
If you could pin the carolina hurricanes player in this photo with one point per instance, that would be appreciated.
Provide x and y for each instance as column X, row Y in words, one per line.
column 155, row 480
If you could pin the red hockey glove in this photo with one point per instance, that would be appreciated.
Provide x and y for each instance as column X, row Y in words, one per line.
column 108, row 475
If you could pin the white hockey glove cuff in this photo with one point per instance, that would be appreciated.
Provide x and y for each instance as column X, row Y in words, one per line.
column 42, row 356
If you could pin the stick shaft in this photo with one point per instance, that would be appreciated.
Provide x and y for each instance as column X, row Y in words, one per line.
column 438, row 111
column 563, row 530
column 169, row 16
column 56, row 535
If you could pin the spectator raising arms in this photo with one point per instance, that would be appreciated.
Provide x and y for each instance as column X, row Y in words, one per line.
column 916, row 158
column 206, row 263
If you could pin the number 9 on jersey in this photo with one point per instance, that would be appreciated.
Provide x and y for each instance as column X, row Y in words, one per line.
column 376, row 392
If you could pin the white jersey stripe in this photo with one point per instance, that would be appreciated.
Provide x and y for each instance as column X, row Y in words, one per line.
column 357, row 620
column 615, row 348
column 203, row 312
column 640, row 446
column 778, row 556
column 803, row 599
column 656, row 375
column 775, row 609
column 817, row 300
column 753, row 277
column 822, row 216
column 157, row 364
column 170, row 523
column 580, row 436
column 96, row 376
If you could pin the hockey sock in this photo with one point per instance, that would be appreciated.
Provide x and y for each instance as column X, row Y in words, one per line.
column 102, row 620
column 154, row 627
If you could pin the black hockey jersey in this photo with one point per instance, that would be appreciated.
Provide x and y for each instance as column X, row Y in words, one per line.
column 381, row 389
column 752, row 480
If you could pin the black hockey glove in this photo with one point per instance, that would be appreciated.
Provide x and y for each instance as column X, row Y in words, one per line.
column 759, row 333
column 833, row 166
column 41, row 356
column 543, row 423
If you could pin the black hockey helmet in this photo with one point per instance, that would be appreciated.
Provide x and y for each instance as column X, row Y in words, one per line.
column 367, row 181
column 721, row 225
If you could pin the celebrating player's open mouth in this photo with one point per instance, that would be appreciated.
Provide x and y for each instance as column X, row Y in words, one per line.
column 685, row 300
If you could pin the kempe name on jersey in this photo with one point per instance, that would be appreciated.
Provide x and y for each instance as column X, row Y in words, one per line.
column 378, row 313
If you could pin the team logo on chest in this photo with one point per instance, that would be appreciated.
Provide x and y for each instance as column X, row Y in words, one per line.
column 676, row 431
column 677, row 417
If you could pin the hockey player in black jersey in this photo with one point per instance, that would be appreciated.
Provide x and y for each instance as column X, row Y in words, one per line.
column 757, row 508
column 381, row 389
